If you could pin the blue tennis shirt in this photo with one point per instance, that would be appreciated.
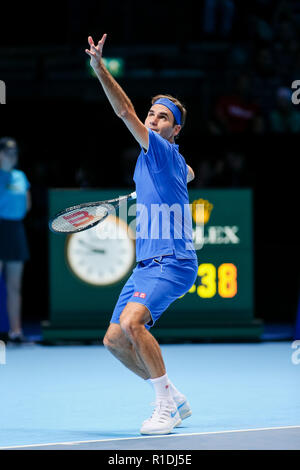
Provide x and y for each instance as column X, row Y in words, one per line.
column 13, row 189
column 163, row 216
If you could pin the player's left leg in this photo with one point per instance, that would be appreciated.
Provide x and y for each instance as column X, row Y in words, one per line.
column 119, row 345
column 165, row 416
column 132, row 321
column 116, row 341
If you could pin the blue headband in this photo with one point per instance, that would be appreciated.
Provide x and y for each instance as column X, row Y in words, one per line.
column 172, row 107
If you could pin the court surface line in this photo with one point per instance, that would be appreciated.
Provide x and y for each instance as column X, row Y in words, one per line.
column 149, row 437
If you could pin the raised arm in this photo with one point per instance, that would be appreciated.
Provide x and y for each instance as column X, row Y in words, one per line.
column 118, row 99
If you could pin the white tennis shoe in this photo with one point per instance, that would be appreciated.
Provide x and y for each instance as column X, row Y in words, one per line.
column 183, row 407
column 164, row 418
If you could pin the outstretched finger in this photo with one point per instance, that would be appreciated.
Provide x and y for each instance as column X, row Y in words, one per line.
column 90, row 41
column 102, row 40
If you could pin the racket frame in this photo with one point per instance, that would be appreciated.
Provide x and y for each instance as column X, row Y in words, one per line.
column 114, row 203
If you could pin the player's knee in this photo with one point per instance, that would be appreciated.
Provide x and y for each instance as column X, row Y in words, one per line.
column 131, row 327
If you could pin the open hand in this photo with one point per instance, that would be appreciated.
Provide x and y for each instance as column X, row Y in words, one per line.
column 95, row 52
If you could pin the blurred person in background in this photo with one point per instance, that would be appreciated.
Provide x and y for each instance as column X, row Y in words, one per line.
column 15, row 202
column 218, row 16
column 284, row 118
column 237, row 112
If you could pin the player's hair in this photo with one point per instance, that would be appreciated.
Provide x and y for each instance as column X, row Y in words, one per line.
column 175, row 101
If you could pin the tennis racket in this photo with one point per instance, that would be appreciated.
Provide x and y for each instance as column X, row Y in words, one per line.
column 87, row 215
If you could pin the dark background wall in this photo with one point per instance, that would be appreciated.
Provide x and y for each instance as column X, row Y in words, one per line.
column 69, row 136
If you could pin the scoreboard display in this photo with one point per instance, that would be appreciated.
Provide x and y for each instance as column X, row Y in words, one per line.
column 223, row 293
column 87, row 273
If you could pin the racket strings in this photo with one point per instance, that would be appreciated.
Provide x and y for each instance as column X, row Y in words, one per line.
column 80, row 218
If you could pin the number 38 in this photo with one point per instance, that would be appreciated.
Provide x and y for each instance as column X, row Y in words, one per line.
column 227, row 280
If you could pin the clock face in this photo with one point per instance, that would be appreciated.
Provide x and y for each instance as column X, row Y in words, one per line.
column 102, row 255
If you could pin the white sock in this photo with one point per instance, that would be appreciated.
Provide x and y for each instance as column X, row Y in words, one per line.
column 174, row 392
column 162, row 388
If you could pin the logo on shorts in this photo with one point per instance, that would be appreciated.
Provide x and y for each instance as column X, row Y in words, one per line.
column 142, row 295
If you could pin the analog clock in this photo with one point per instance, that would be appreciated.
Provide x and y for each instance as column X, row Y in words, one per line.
column 102, row 255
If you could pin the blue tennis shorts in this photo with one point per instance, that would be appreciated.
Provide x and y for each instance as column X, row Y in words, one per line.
column 156, row 283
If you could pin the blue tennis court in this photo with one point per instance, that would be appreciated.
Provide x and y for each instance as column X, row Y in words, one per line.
column 243, row 396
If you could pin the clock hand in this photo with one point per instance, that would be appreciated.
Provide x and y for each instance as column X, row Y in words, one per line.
column 94, row 250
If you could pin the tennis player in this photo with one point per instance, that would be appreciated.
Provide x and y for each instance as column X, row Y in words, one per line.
column 166, row 266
